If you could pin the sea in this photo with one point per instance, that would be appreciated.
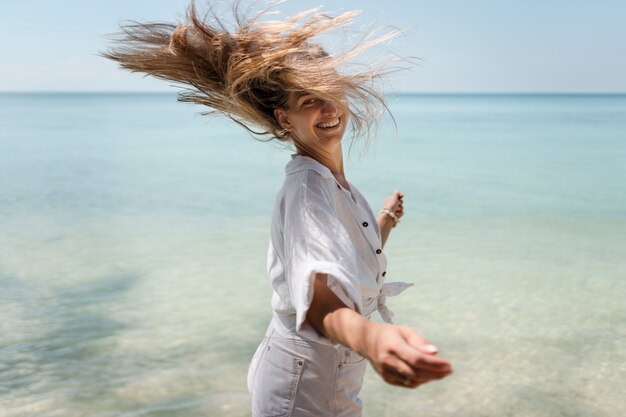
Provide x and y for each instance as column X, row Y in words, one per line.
column 134, row 232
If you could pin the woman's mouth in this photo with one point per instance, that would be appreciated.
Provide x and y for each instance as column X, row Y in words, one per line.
column 330, row 124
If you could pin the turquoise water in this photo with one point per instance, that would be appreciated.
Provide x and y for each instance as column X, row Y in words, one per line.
column 133, row 237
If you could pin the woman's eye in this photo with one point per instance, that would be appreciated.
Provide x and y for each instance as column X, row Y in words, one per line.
column 310, row 100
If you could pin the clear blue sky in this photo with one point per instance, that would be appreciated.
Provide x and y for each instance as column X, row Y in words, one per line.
column 465, row 46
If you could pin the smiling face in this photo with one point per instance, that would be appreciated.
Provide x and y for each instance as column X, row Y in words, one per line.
column 313, row 124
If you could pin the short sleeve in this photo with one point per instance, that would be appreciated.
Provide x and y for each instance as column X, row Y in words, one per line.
column 317, row 242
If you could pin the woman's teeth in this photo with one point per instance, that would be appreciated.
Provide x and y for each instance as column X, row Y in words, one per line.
column 329, row 125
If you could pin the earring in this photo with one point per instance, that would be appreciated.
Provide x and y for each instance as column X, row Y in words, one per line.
column 283, row 132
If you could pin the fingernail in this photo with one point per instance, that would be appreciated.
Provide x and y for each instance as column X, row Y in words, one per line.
column 431, row 348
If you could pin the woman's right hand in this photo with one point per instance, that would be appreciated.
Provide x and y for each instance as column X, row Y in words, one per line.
column 401, row 357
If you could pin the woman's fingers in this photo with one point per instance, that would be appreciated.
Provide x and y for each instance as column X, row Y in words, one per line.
column 410, row 378
column 432, row 364
column 397, row 369
column 419, row 360
column 402, row 357
column 401, row 380
column 420, row 378
column 394, row 201
column 418, row 342
column 398, row 207
column 398, row 372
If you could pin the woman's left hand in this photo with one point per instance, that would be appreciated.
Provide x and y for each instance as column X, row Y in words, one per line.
column 394, row 203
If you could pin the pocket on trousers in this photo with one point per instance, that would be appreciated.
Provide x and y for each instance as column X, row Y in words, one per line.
column 351, row 372
column 276, row 382
column 351, row 357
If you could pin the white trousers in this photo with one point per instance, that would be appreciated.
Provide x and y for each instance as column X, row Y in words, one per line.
column 291, row 376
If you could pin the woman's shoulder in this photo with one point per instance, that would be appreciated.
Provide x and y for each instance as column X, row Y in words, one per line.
column 303, row 164
column 308, row 184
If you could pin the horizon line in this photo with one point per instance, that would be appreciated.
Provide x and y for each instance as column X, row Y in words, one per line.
column 388, row 93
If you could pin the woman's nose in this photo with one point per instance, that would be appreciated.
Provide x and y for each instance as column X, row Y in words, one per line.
column 330, row 108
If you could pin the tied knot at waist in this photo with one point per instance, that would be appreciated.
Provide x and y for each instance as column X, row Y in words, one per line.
column 390, row 289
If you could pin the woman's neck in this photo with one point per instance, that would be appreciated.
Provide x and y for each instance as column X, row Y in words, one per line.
column 335, row 164
column 333, row 161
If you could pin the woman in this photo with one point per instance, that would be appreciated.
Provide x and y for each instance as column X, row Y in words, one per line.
column 325, row 260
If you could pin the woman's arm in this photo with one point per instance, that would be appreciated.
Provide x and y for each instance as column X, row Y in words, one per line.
column 398, row 354
column 385, row 224
column 384, row 220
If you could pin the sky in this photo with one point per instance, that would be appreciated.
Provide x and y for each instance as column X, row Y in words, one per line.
column 463, row 46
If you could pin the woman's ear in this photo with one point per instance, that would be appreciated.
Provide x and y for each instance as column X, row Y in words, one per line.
column 281, row 118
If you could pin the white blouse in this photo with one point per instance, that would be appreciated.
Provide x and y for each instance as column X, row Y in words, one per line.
column 318, row 226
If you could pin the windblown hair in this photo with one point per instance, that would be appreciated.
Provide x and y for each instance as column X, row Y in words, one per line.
column 248, row 72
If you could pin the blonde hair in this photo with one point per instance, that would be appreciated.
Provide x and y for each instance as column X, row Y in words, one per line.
column 247, row 73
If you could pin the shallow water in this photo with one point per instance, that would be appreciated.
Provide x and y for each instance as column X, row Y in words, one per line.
column 133, row 236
